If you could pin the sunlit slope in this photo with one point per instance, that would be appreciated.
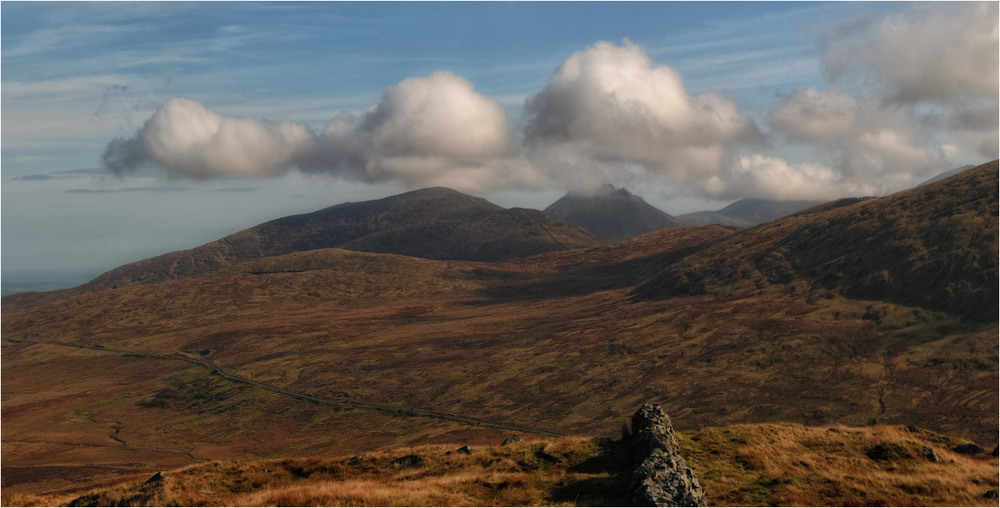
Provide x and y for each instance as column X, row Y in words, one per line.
column 330, row 350
column 744, row 465
column 934, row 246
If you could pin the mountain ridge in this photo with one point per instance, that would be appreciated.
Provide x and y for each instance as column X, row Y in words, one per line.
column 748, row 212
column 433, row 223
column 932, row 246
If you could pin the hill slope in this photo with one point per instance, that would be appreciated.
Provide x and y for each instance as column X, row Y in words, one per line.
column 934, row 246
column 329, row 351
column 434, row 223
column 612, row 214
column 747, row 212
column 745, row 465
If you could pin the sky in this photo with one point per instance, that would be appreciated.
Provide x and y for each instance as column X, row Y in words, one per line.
column 130, row 129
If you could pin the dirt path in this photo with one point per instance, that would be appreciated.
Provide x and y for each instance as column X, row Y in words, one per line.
column 218, row 371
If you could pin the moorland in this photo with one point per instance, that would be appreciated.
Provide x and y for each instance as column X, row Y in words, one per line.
column 780, row 351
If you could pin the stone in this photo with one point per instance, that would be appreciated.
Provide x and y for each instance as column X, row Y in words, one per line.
column 465, row 449
column 969, row 449
column 157, row 478
column 511, row 439
column 408, row 461
column 661, row 477
column 888, row 451
column 929, row 454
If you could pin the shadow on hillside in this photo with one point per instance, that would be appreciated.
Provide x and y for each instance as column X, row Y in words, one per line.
column 582, row 278
column 612, row 465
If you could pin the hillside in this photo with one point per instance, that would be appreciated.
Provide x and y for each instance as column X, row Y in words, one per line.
column 434, row 223
column 747, row 212
column 612, row 214
column 744, row 465
column 934, row 246
column 331, row 352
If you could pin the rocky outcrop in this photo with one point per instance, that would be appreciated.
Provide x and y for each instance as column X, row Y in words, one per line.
column 661, row 477
column 969, row 449
column 511, row 440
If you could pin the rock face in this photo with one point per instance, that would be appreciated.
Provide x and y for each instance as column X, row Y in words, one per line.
column 662, row 477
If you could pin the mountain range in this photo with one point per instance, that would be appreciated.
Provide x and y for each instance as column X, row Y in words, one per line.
column 747, row 212
column 280, row 342
column 434, row 223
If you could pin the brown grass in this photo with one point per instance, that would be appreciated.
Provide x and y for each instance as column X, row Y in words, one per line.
column 556, row 342
column 743, row 465
column 792, row 465
column 560, row 472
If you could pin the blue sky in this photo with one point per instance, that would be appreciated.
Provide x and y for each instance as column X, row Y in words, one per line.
column 110, row 65
column 691, row 105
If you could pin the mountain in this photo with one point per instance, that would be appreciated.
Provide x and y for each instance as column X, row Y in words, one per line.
column 747, row 212
column 946, row 174
column 856, row 313
column 436, row 223
column 612, row 214
column 933, row 246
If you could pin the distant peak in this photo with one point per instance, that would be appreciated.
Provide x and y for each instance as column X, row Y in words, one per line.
column 605, row 190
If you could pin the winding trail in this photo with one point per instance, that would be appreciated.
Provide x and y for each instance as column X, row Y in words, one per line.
column 216, row 370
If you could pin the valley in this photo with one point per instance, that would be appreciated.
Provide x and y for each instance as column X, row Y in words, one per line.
column 879, row 312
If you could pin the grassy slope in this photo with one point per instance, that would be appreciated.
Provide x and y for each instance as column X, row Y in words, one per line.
column 556, row 342
column 934, row 246
column 470, row 339
column 743, row 465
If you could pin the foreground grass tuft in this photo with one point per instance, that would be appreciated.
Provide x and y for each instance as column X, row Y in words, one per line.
column 741, row 465
column 794, row 465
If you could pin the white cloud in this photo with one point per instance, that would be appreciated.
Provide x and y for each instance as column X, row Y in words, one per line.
column 939, row 53
column 433, row 130
column 883, row 144
column 189, row 140
column 820, row 118
column 924, row 87
column 610, row 104
column 773, row 177
column 610, row 114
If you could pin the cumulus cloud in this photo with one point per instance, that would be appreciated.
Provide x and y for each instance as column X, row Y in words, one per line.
column 611, row 105
column 940, row 62
column 189, row 140
column 907, row 94
column 434, row 130
column 938, row 53
column 773, row 177
column 879, row 143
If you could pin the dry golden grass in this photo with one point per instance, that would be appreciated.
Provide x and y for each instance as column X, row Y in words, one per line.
column 557, row 342
column 742, row 465
column 471, row 339
column 793, row 465
column 558, row 472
